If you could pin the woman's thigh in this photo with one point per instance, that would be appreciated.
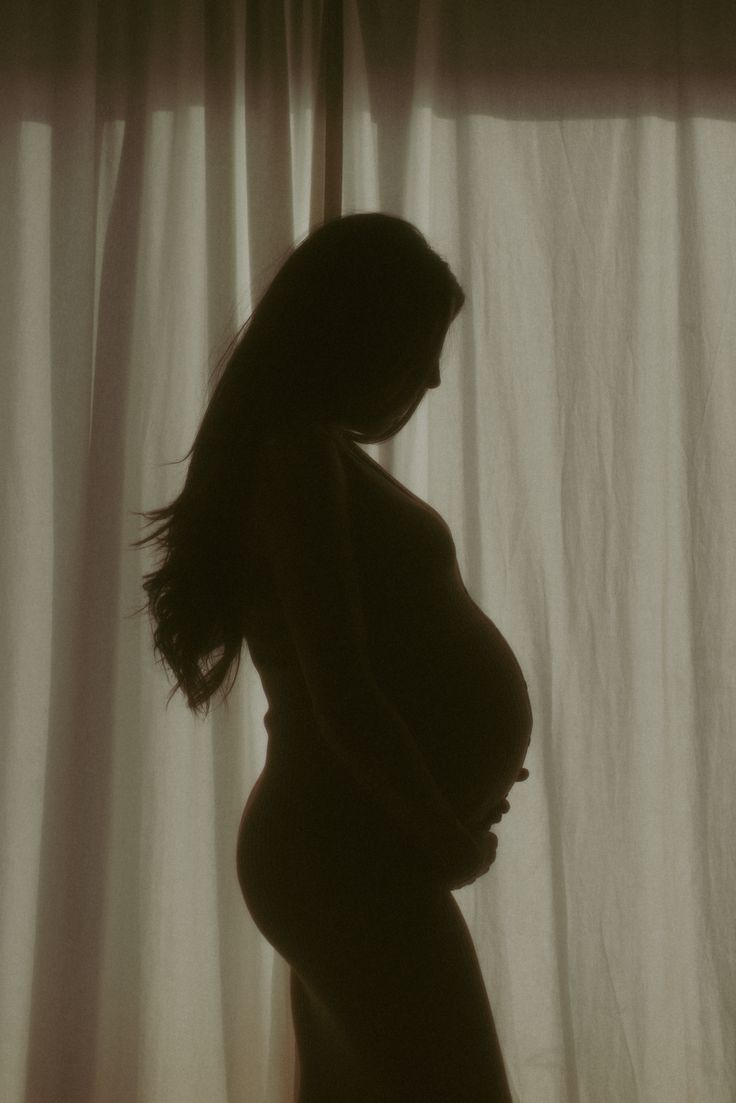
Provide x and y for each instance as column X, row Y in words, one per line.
column 388, row 997
column 398, row 981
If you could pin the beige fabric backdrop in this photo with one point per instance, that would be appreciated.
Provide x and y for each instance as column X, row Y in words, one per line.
column 156, row 161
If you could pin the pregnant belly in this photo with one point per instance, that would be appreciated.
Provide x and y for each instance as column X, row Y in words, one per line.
column 463, row 695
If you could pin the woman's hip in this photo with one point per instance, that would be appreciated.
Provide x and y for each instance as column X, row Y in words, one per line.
column 304, row 843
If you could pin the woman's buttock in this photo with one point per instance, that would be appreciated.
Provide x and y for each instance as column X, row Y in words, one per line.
column 307, row 858
column 306, row 833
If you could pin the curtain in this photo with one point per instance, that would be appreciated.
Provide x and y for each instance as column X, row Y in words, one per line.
column 575, row 166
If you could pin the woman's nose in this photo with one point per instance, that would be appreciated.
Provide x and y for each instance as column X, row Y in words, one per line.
column 434, row 378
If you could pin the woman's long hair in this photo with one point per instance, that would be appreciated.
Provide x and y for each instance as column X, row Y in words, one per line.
column 355, row 308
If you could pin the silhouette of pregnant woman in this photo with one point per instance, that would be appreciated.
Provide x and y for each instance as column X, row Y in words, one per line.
column 398, row 716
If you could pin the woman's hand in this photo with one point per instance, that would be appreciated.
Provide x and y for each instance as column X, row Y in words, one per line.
column 486, row 845
column 504, row 807
column 494, row 814
column 478, row 860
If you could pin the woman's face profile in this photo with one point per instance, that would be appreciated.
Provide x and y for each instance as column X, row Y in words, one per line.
column 378, row 412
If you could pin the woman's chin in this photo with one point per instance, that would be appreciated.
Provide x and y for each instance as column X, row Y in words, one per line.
column 382, row 425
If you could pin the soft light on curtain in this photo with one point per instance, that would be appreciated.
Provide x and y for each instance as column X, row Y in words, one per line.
column 156, row 162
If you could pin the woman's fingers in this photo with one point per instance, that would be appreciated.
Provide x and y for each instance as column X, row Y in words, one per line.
column 523, row 774
column 500, row 810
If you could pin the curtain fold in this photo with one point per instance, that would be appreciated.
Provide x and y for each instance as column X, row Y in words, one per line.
column 157, row 162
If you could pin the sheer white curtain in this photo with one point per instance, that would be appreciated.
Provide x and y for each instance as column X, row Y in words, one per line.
column 156, row 161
